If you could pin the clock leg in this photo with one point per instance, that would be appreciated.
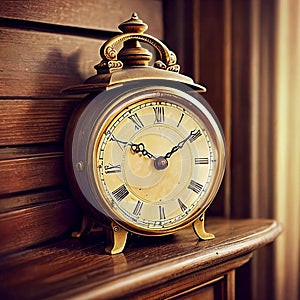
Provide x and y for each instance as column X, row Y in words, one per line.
column 199, row 229
column 117, row 237
column 86, row 227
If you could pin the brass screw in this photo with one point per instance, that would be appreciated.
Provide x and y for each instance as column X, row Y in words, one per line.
column 80, row 166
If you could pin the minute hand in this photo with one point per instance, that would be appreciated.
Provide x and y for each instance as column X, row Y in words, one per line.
column 180, row 144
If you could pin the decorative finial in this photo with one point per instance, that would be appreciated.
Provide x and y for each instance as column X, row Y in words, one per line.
column 126, row 50
column 133, row 25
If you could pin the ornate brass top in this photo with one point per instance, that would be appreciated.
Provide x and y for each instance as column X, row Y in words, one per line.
column 131, row 62
column 132, row 53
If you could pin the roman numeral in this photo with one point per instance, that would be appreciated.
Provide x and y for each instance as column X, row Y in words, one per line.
column 138, row 207
column 162, row 214
column 201, row 160
column 120, row 193
column 138, row 124
column 182, row 205
column 195, row 186
column 159, row 114
column 109, row 169
column 194, row 136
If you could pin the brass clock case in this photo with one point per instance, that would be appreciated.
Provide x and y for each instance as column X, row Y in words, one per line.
column 144, row 151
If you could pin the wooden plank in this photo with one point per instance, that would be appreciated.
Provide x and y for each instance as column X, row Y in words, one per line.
column 40, row 64
column 23, row 174
column 34, row 121
column 30, row 150
column 96, row 14
column 211, row 41
column 80, row 269
column 35, row 198
column 241, row 155
column 27, row 227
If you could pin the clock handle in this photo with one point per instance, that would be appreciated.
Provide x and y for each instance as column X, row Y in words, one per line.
column 199, row 229
column 109, row 49
column 133, row 54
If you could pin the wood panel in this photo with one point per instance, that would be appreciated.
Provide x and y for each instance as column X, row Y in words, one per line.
column 93, row 14
column 23, row 174
column 39, row 64
column 241, row 111
column 30, row 226
column 26, row 200
column 27, row 122
column 211, row 40
column 47, row 46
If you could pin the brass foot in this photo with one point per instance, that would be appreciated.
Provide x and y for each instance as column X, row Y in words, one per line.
column 86, row 227
column 199, row 229
column 117, row 239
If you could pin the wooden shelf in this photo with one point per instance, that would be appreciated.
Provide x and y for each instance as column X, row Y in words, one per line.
column 148, row 268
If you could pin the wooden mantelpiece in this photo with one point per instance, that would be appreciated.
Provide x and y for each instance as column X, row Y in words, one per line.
column 149, row 268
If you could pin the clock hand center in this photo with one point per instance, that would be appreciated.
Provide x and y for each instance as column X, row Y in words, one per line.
column 160, row 162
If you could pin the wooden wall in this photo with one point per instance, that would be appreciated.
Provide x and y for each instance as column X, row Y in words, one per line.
column 46, row 46
column 228, row 46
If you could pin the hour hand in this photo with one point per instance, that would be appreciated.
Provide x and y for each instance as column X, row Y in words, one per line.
column 140, row 148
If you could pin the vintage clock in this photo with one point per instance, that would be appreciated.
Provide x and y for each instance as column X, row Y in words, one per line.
column 145, row 152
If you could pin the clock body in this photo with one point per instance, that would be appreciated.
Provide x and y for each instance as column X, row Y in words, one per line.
column 148, row 154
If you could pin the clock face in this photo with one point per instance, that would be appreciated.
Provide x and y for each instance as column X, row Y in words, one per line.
column 155, row 159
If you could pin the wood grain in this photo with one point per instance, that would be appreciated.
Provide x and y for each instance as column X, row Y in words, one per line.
column 241, row 107
column 30, row 199
column 80, row 270
column 213, row 280
column 27, row 122
column 26, row 227
column 25, row 151
column 41, row 64
column 93, row 14
column 23, row 174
